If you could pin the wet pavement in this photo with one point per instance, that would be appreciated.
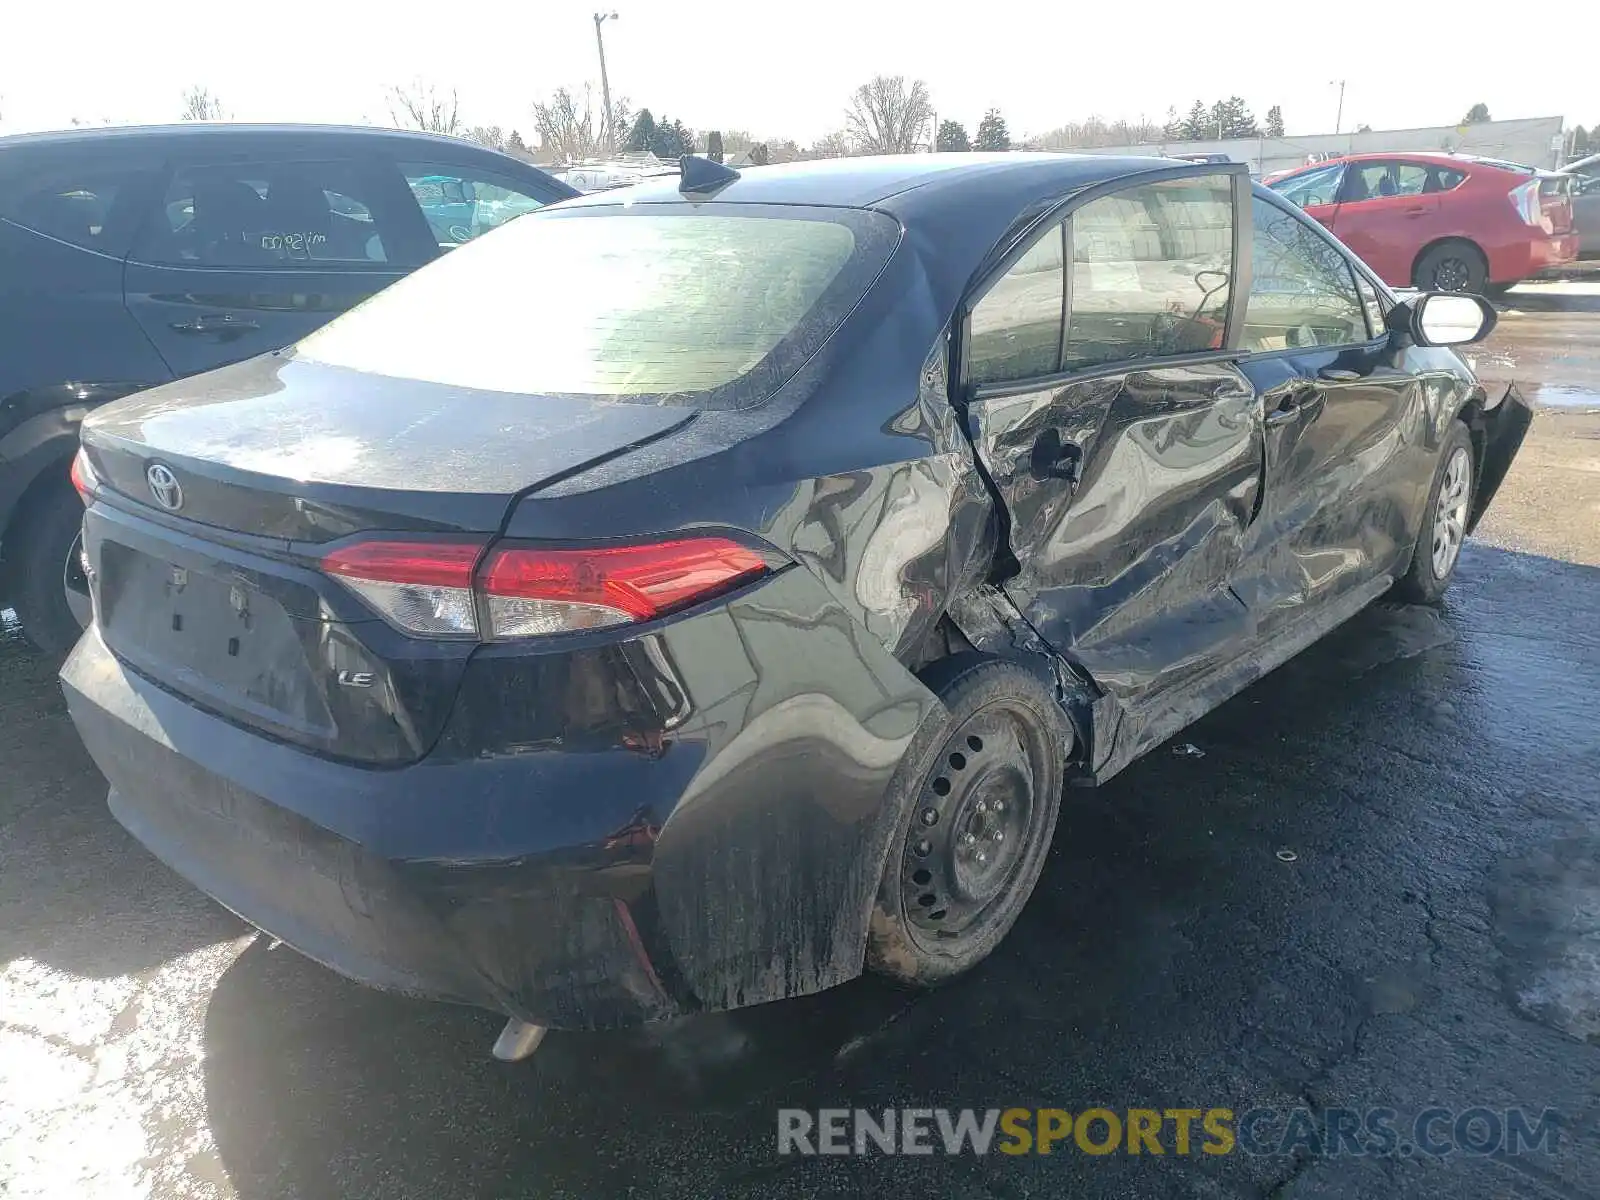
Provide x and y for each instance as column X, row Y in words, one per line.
column 1376, row 883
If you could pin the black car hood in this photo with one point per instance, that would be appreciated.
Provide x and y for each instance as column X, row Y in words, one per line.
column 259, row 443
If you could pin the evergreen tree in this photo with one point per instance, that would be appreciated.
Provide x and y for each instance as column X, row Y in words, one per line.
column 952, row 136
column 992, row 132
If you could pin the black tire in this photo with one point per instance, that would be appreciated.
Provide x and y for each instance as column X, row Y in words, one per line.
column 42, row 549
column 1430, row 571
column 1453, row 266
column 1001, row 741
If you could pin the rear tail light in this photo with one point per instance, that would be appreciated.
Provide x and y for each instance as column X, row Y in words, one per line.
column 421, row 587
column 83, row 477
column 1525, row 199
column 441, row 589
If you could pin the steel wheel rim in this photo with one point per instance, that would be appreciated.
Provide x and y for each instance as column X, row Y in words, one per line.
column 1450, row 513
column 972, row 826
column 1452, row 275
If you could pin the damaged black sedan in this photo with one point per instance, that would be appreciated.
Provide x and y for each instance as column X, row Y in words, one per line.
column 684, row 597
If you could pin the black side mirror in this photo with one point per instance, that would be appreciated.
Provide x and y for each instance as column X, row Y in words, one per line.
column 1443, row 318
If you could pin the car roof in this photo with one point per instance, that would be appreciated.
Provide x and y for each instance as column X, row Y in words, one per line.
column 889, row 181
column 956, row 210
column 201, row 131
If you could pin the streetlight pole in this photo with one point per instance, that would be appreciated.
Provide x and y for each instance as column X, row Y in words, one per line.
column 605, row 84
column 1338, row 117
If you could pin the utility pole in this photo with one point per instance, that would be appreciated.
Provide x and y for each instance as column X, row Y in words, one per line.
column 1338, row 117
column 605, row 84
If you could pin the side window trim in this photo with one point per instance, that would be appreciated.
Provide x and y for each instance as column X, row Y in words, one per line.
column 1061, row 214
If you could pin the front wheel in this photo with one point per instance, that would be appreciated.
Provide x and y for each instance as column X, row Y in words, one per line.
column 1444, row 521
column 984, row 777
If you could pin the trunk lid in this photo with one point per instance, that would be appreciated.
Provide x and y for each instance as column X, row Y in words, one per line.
column 286, row 448
column 217, row 496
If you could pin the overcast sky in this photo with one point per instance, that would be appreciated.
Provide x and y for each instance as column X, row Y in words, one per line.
column 786, row 70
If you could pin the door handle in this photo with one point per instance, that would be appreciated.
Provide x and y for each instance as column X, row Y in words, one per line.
column 1294, row 406
column 1053, row 458
column 1287, row 411
column 1338, row 375
column 222, row 323
column 1415, row 212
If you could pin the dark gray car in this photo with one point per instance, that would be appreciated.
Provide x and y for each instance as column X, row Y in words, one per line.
column 131, row 257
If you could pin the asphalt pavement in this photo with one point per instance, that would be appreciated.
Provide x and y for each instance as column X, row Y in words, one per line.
column 1370, row 881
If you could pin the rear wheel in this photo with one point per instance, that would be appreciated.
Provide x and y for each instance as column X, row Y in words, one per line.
column 1455, row 266
column 1444, row 521
column 986, row 777
column 52, row 594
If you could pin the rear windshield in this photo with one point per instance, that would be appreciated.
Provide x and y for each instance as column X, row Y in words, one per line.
column 711, row 306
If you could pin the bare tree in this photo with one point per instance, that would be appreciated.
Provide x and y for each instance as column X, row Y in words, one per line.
column 1096, row 131
column 486, row 135
column 571, row 129
column 200, row 105
column 421, row 106
column 887, row 116
column 831, row 145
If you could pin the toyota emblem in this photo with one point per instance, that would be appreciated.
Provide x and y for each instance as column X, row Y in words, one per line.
column 164, row 486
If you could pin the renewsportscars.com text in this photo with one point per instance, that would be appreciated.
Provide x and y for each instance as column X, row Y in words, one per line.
column 1371, row 1132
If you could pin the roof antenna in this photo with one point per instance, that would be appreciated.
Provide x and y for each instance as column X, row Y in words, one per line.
column 702, row 176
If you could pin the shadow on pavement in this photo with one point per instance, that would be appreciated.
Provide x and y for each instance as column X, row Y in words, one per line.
column 76, row 892
column 1534, row 300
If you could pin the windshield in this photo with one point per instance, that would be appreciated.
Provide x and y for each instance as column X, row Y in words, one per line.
column 714, row 307
column 1317, row 186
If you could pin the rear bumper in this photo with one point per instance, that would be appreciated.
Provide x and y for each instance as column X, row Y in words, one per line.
column 1527, row 258
column 730, row 862
column 539, row 937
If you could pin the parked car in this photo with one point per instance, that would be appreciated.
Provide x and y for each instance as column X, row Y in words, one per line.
column 129, row 257
column 1439, row 221
column 1585, row 175
column 729, row 618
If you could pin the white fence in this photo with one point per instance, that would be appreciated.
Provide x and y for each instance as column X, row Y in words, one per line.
column 1535, row 141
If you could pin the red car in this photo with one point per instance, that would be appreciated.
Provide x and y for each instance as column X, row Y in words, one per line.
column 1440, row 222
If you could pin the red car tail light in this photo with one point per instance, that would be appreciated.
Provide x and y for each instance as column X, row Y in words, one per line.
column 1525, row 199
column 420, row 587
column 437, row 589
column 83, row 476
column 532, row 591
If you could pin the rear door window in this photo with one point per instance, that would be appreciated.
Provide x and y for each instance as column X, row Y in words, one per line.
column 1149, row 271
column 1380, row 180
column 461, row 203
column 660, row 304
column 267, row 215
column 1302, row 290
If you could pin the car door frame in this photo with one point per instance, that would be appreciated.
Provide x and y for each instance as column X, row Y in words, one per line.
column 971, row 400
column 1302, row 386
column 1058, row 210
